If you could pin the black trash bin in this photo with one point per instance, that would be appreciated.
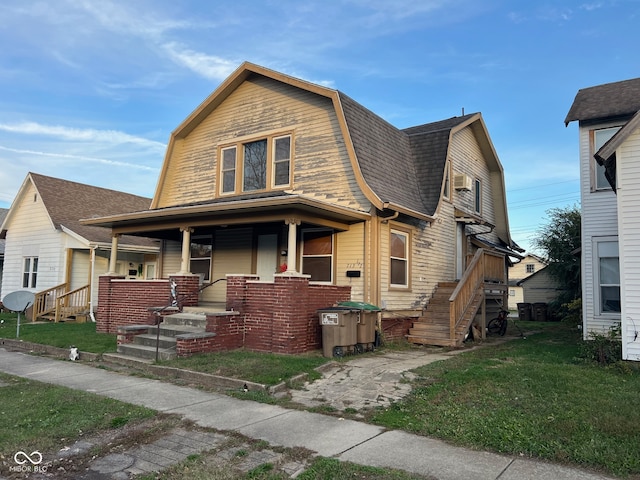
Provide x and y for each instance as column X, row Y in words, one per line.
column 524, row 311
column 339, row 330
column 540, row 312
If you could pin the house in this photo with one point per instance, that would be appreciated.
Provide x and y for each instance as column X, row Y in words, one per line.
column 48, row 252
column 540, row 287
column 520, row 270
column 609, row 128
column 3, row 215
column 273, row 179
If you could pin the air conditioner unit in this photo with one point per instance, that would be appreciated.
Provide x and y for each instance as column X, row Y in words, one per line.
column 462, row 181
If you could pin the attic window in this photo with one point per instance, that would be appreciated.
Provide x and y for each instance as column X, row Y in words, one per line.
column 255, row 165
column 35, row 197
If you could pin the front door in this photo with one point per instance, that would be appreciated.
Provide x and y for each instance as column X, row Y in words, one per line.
column 267, row 260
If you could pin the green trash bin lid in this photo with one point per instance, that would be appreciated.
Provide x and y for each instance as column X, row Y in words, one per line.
column 361, row 306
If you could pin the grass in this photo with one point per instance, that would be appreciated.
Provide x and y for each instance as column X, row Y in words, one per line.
column 264, row 368
column 63, row 335
column 529, row 397
column 39, row 416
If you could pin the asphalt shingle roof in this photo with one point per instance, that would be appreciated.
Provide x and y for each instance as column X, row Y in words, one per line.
column 604, row 101
column 67, row 202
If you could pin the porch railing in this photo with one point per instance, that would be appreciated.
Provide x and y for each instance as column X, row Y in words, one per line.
column 72, row 303
column 485, row 266
column 44, row 302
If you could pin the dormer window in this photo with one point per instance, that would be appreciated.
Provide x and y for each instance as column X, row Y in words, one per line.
column 256, row 165
column 600, row 137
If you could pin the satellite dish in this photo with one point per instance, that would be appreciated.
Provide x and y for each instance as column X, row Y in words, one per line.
column 18, row 301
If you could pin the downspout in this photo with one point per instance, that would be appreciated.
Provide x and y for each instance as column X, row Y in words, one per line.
column 92, row 265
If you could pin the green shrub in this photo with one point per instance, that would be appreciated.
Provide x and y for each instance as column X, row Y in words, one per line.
column 604, row 349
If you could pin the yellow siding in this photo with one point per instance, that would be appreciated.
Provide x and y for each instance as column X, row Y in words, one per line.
column 171, row 258
column 261, row 106
column 231, row 254
column 350, row 255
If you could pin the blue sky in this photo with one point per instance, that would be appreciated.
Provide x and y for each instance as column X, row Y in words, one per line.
column 92, row 89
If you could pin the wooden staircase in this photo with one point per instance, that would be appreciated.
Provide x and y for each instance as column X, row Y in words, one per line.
column 454, row 305
column 432, row 328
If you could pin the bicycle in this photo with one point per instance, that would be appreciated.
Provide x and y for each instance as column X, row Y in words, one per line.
column 498, row 325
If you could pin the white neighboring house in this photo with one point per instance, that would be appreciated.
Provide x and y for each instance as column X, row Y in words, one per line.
column 609, row 129
column 3, row 214
column 46, row 246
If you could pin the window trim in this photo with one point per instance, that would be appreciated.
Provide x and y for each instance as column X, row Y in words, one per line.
column 477, row 196
column 239, row 144
column 331, row 256
column 30, row 275
column 595, row 167
column 223, row 170
column 408, row 243
column 446, row 188
column 597, row 285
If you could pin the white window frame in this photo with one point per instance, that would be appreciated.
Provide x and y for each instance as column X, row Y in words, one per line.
column 600, row 137
column 446, row 189
column 597, row 296
column 530, row 268
column 223, row 170
column 30, row 272
column 275, row 162
column 406, row 259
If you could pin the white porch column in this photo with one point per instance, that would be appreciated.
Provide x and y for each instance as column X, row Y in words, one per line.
column 292, row 244
column 114, row 254
column 185, row 263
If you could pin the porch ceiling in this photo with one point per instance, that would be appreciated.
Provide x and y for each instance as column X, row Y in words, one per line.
column 232, row 212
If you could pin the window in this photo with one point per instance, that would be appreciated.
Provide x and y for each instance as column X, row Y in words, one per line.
column 317, row 255
column 30, row 272
column 264, row 163
column 201, row 250
column 512, row 293
column 600, row 137
column 228, row 169
column 608, row 277
column 477, row 204
column 446, row 191
column 399, row 258
column 531, row 268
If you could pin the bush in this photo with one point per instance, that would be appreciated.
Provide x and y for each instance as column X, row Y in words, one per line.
column 603, row 349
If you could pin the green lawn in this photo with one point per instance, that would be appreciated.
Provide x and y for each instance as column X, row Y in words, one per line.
column 39, row 416
column 63, row 335
column 530, row 397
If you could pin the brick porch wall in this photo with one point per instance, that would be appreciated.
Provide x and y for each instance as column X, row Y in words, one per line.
column 281, row 316
column 127, row 302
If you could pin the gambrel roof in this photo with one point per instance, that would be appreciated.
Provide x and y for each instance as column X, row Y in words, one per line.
column 67, row 202
column 617, row 99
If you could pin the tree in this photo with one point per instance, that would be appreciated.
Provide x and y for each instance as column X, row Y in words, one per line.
column 559, row 240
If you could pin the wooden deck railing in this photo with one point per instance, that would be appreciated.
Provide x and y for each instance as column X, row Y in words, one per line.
column 45, row 301
column 71, row 303
column 485, row 266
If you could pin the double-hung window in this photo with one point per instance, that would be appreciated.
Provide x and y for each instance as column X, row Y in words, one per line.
column 317, row 255
column 399, row 259
column 608, row 276
column 201, row 250
column 256, row 165
column 30, row 272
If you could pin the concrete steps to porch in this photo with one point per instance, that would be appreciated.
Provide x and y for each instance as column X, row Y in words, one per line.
column 144, row 345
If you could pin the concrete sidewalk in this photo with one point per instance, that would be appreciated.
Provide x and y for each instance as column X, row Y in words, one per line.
column 328, row 436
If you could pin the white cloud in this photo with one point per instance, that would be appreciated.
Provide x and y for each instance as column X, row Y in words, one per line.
column 80, row 135
column 208, row 66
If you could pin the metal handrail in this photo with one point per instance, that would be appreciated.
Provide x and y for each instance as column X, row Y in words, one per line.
column 174, row 302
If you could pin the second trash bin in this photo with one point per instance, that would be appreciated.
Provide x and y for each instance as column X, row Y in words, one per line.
column 367, row 320
column 339, row 330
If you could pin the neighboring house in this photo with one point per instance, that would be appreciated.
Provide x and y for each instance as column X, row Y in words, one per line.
column 609, row 127
column 524, row 268
column 3, row 215
column 48, row 252
column 540, row 287
column 274, row 176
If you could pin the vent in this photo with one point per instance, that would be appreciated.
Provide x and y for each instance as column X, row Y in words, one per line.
column 462, row 181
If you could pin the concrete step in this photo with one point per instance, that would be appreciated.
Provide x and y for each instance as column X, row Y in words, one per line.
column 173, row 330
column 186, row 319
column 145, row 351
column 149, row 340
